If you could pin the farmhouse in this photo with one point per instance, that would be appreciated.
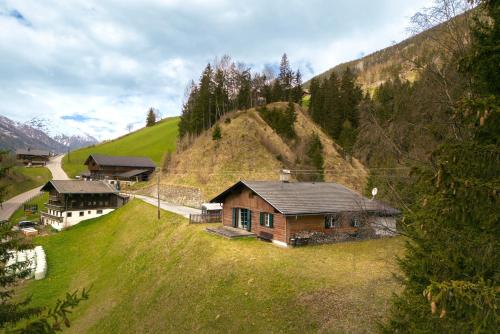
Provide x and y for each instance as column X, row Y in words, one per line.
column 71, row 201
column 119, row 168
column 32, row 157
column 280, row 211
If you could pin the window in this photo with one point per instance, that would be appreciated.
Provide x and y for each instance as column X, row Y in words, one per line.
column 69, row 214
column 332, row 221
column 267, row 219
column 355, row 221
column 99, row 212
column 82, row 213
column 89, row 212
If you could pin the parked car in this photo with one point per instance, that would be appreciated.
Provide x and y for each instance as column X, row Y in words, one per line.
column 25, row 224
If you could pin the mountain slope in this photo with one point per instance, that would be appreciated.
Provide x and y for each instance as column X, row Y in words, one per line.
column 150, row 142
column 167, row 276
column 14, row 135
column 251, row 149
column 397, row 60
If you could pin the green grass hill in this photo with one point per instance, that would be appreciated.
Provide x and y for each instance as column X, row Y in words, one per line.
column 166, row 276
column 150, row 142
column 20, row 179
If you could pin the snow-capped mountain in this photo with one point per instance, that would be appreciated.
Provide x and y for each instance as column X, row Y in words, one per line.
column 74, row 142
column 33, row 134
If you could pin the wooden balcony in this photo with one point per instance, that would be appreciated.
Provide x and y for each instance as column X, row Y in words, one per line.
column 49, row 216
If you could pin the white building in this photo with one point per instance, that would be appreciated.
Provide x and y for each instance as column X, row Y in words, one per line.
column 72, row 201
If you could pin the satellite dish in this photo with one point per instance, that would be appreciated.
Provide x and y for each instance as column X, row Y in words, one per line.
column 374, row 192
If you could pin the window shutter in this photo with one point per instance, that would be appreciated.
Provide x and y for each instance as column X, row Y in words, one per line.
column 261, row 219
column 234, row 217
column 249, row 220
column 271, row 220
column 326, row 221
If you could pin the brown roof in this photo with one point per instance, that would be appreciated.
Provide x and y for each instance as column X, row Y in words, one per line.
column 306, row 198
column 79, row 187
column 133, row 172
column 107, row 160
column 33, row 152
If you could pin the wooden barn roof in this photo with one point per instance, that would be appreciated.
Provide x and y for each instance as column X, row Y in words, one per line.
column 79, row 187
column 107, row 160
column 308, row 198
column 40, row 153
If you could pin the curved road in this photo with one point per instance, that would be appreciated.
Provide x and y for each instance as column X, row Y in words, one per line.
column 10, row 206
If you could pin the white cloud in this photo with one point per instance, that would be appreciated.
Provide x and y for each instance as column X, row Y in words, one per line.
column 111, row 60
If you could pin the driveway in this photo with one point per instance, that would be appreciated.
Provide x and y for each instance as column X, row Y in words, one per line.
column 178, row 209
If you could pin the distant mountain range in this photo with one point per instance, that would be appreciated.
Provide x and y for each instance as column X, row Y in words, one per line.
column 14, row 135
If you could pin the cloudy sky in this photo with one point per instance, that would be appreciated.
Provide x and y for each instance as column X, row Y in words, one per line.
column 95, row 66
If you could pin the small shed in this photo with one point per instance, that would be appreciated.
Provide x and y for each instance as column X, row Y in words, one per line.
column 211, row 208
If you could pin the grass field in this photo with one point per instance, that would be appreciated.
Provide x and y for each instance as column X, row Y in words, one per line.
column 151, row 142
column 167, row 276
column 21, row 179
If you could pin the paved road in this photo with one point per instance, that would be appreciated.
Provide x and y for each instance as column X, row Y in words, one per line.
column 10, row 206
column 178, row 209
column 54, row 165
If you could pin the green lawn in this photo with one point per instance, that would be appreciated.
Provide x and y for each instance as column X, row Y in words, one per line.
column 19, row 214
column 21, row 179
column 151, row 142
column 167, row 276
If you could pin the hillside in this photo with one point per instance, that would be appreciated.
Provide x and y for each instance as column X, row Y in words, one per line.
column 150, row 142
column 396, row 60
column 147, row 277
column 251, row 149
column 20, row 179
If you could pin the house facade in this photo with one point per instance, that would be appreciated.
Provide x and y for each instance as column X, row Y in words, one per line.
column 119, row 168
column 279, row 211
column 33, row 157
column 72, row 201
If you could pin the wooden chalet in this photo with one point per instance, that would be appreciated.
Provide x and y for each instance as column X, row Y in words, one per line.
column 279, row 211
column 71, row 201
column 32, row 157
column 120, row 168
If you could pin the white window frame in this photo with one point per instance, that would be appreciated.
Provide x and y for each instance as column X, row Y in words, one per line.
column 267, row 221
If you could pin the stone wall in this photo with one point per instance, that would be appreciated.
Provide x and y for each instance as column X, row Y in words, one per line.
column 181, row 195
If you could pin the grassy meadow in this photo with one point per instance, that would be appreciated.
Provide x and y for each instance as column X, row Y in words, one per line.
column 165, row 276
column 21, row 179
column 150, row 142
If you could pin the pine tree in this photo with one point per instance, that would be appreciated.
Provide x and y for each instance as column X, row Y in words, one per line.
column 216, row 133
column 151, row 117
column 451, row 264
column 315, row 155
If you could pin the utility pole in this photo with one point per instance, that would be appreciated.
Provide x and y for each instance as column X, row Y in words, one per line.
column 158, row 191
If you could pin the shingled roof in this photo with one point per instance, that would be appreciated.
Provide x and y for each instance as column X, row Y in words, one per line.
column 40, row 153
column 107, row 160
column 79, row 187
column 307, row 198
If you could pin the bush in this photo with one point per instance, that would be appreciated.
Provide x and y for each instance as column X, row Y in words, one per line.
column 216, row 133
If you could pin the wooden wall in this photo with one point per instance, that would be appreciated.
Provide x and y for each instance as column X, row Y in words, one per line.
column 246, row 199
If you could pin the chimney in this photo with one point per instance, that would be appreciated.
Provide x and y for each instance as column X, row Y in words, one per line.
column 285, row 175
